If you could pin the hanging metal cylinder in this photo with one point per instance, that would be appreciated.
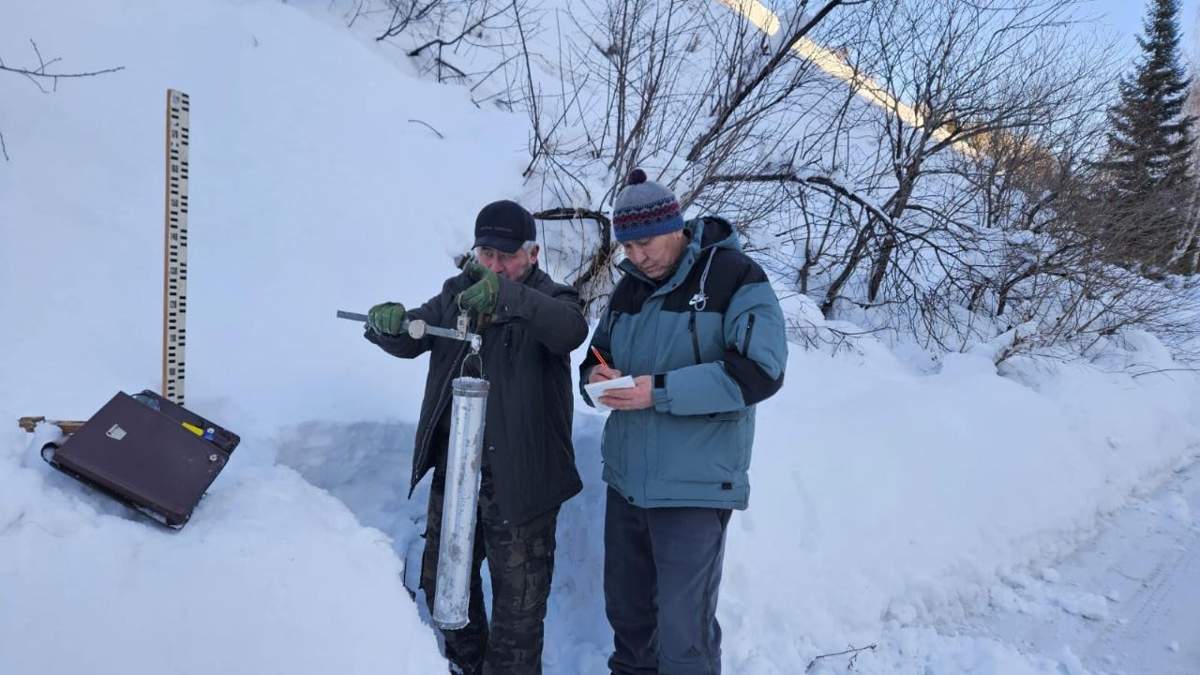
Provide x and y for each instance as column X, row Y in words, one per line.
column 452, row 597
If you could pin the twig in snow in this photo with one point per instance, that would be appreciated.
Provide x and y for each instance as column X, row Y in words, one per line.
column 430, row 127
column 851, row 650
column 1167, row 370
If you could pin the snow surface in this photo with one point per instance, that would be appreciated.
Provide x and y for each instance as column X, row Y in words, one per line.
column 1139, row 580
column 888, row 503
column 272, row 576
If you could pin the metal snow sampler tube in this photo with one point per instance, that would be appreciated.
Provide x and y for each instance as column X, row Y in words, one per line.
column 452, row 597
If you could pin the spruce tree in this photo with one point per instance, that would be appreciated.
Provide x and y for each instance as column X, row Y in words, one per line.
column 1148, row 163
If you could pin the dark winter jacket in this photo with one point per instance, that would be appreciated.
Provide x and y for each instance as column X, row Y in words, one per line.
column 526, row 358
column 713, row 338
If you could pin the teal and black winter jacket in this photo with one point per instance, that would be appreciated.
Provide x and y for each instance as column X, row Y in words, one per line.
column 712, row 336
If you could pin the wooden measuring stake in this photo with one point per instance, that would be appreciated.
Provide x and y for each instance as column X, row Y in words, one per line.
column 175, row 250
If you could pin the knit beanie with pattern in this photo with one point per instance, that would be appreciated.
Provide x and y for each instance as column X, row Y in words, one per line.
column 644, row 209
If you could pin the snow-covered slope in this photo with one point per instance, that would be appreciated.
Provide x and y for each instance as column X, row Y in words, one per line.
column 885, row 500
column 311, row 191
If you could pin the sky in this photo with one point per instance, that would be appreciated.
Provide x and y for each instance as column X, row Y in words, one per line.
column 1124, row 18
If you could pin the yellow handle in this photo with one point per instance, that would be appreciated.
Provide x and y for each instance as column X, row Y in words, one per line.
column 193, row 428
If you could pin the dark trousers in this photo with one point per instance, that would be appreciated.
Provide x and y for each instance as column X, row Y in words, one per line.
column 662, row 574
column 521, row 561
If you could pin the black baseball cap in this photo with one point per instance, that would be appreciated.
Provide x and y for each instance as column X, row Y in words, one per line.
column 504, row 226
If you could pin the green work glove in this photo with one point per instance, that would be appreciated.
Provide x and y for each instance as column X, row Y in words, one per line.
column 387, row 318
column 480, row 296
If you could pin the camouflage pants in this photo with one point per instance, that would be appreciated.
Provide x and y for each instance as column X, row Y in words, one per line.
column 521, row 562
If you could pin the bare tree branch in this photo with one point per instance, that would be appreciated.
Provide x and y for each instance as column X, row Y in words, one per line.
column 36, row 75
column 735, row 101
column 439, row 42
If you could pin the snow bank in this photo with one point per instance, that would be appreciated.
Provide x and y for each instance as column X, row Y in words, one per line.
column 272, row 576
column 880, row 495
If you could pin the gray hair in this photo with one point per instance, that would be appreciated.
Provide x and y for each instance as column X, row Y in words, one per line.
column 526, row 246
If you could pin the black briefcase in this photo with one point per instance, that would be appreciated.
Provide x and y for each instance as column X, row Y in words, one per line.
column 151, row 454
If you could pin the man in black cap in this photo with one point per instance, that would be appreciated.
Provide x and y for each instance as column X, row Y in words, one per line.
column 528, row 460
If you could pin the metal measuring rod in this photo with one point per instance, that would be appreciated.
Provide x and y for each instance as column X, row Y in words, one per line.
column 418, row 329
column 468, row 414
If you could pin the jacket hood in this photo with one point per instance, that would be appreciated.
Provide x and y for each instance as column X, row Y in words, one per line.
column 715, row 232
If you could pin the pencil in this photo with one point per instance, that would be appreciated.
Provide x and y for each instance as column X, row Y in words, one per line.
column 600, row 357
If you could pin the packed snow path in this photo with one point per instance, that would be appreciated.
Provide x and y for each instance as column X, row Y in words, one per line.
column 1127, row 602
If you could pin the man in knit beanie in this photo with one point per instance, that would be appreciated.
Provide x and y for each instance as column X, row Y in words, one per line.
column 649, row 226
column 697, row 325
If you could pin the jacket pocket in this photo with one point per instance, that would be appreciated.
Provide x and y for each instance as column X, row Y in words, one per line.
column 703, row 448
column 746, row 340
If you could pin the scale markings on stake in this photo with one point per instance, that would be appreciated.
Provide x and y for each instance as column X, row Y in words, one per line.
column 175, row 251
